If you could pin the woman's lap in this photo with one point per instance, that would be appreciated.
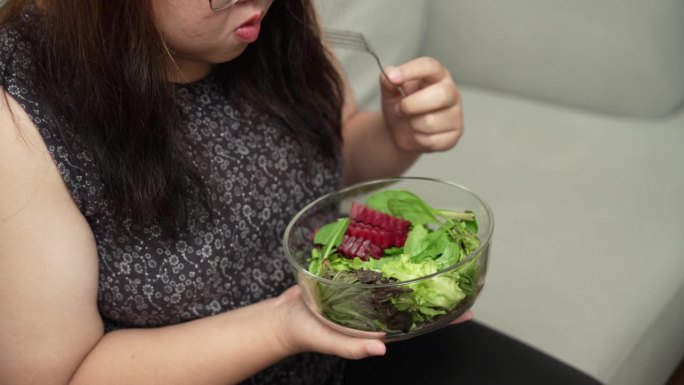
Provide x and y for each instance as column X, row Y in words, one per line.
column 469, row 353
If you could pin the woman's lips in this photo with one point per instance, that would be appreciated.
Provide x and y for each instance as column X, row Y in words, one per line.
column 249, row 31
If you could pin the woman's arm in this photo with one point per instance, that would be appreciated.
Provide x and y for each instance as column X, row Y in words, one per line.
column 386, row 143
column 369, row 151
column 50, row 328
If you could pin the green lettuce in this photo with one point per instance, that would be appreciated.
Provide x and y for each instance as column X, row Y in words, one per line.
column 431, row 297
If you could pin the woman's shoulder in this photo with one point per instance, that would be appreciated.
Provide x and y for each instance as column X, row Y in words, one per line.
column 20, row 85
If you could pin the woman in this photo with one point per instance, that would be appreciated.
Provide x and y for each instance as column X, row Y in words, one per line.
column 151, row 154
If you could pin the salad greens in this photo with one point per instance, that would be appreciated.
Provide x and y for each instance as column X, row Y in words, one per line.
column 435, row 240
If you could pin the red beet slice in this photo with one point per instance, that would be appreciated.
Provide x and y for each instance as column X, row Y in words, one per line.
column 358, row 247
column 366, row 215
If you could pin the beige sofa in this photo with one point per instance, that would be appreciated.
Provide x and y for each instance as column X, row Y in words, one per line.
column 575, row 136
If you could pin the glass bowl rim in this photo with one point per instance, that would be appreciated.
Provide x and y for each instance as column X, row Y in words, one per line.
column 484, row 241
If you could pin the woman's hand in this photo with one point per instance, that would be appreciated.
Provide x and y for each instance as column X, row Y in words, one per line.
column 298, row 330
column 467, row 316
column 429, row 118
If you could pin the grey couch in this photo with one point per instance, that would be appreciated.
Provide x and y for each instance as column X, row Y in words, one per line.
column 575, row 136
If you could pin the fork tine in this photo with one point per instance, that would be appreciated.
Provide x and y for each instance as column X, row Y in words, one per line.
column 349, row 43
column 357, row 41
column 342, row 32
column 349, row 39
column 334, row 38
column 346, row 36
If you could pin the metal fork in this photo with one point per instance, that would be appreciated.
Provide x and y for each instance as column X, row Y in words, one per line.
column 356, row 41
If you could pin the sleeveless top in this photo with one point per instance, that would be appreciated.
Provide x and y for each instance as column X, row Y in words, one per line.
column 258, row 175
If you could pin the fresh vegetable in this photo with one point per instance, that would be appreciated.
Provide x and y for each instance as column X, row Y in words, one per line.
column 394, row 237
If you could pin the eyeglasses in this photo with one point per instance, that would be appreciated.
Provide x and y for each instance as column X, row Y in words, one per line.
column 220, row 5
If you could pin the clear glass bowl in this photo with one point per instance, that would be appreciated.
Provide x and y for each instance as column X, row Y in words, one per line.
column 367, row 304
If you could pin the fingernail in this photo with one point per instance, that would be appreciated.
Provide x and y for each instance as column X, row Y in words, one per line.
column 397, row 109
column 376, row 349
column 394, row 75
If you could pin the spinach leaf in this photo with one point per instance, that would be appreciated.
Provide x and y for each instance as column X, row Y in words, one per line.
column 415, row 211
column 403, row 204
column 378, row 201
column 331, row 234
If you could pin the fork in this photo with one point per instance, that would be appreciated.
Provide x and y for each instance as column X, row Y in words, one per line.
column 356, row 41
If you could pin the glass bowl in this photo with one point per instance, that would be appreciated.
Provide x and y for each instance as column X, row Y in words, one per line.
column 379, row 309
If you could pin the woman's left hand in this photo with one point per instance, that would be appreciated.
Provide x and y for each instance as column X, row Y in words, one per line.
column 467, row 316
column 429, row 118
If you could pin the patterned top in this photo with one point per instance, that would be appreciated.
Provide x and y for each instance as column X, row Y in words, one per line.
column 258, row 174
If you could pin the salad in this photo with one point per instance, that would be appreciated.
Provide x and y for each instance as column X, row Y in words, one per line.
column 394, row 236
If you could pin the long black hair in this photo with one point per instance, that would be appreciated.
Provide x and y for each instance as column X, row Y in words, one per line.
column 104, row 67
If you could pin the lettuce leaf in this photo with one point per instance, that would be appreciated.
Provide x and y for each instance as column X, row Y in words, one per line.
column 430, row 297
column 360, row 308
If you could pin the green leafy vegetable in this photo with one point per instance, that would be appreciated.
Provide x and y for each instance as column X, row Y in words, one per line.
column 451, row 255
column 466, row 216
column 316, row 261
column 430, row 297
column 416, row 243
column 437, row 240
column 403, row 204
column 360, row 308
column 329, row 236
column 394, row 251
column 332, row 235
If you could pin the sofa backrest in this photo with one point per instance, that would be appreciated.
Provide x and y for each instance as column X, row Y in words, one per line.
column 395, row 29
column 621, row 57
column 615, row 56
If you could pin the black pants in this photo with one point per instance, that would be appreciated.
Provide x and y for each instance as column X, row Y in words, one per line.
column 470, row 354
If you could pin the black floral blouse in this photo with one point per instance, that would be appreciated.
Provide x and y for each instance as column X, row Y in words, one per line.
column 258, row 175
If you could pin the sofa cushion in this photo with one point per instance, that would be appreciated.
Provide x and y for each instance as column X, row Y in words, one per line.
column 588, row 254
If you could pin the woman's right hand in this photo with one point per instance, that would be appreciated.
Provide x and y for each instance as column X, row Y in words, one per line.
column 299, row 330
